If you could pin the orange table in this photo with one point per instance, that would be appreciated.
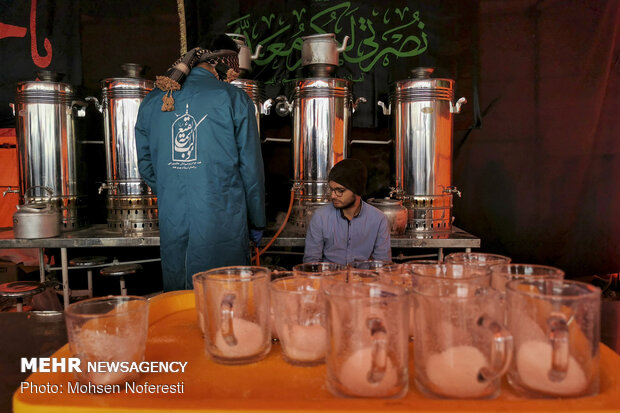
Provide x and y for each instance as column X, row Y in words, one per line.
column 271, row 384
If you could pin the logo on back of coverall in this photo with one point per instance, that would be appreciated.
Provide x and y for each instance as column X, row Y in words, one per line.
column 184, row 142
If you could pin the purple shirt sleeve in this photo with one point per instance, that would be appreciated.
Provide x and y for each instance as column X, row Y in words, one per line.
column 331, row 237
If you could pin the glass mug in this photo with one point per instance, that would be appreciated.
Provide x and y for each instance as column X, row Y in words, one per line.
column 368, row 265
column 556, row 328
column 198, row 288
column 476, row 258
column 275, row 275
column 461, row 348
column 367, row 351
column 112, row 329
column 449, row 273
column 235, row 305
column 398, row 274
column 320, row 269
column 503, row 273
column 299, row 319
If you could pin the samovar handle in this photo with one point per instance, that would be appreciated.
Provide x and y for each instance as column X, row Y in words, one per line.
column 457, row 107
column 357, row 102
column 81, row 105
column 256, row 52
column 95, row 101
column 283, row 106
column 265, row 108
column 386, row 110
column 345, row 41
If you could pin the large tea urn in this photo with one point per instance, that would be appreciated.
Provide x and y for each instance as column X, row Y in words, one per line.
column 322, row 109
column 254, row 88
column 45, row 112
column 131, row 204
column 421, row 108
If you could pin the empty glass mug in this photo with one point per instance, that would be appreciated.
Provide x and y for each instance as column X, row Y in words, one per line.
column 556, row 329
column 461, row 348
column 299, row 319
column 367, row 351
column 109, row 329
column 235, row 305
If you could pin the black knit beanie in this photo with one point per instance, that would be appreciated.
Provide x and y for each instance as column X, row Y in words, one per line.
column 350, row 173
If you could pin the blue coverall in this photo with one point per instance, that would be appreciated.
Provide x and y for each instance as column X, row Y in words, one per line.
column 204, row 162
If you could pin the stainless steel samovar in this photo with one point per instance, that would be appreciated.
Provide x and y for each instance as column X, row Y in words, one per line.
column 322, row 107
column 131, row 204
column 422, row 109
column 253, row 88
column 46, row 142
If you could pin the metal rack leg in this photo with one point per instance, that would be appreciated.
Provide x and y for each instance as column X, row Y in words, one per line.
column 89, row 274
column 41, row 266
column 123, row 287
column 65, row 276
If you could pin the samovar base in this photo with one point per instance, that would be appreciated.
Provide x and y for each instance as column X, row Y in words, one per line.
column 133, row 215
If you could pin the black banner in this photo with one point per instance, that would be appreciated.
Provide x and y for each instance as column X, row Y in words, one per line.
column 387, row 40
column 37, row 35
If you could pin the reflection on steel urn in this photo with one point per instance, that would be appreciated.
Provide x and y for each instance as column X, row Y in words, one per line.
column 131, row 204
column 421, row 109
column 322, row 108
column 46, row 142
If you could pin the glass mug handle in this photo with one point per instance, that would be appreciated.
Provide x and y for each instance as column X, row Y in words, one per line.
column 558, row 336
column 501, row 350
column 379, row 350
column 226, row 317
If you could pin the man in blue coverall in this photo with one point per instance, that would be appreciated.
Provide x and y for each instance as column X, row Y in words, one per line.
column 348, row 229
column 200, row 152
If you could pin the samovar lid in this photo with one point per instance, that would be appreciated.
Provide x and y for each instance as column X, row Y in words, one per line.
column 46, row 83
column 49, row 76
column 320, row 37
column 421, row 86
column 420, row 77
column 132, row 79
column 134, row 70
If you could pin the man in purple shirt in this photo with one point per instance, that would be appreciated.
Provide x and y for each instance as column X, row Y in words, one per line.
column 349, row 229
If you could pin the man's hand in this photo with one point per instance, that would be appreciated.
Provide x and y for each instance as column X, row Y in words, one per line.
column 256, row 235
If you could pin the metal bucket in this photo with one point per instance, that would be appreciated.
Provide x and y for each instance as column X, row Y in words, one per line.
column 131, row 204
column 46, row 144
column 422, row 109
column 254, row 90
column 322, row 109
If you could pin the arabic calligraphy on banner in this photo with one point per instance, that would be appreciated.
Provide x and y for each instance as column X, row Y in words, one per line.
column 37, row 35
column 377, row 36
column 8, row 30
